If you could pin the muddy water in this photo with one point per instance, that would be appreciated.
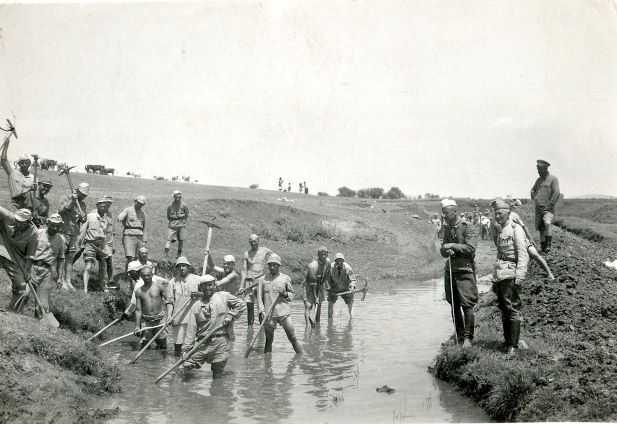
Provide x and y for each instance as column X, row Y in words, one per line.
column 392, row 339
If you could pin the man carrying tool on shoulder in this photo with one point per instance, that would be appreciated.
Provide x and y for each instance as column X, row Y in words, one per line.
column 181, row 286
column 271, row 286
column 94, row 239
column 342, row 279
column 41, row 202
column 153, row 307
column 18, row 244
column 545, row 194
column 133, row 220
column 211, row 310
column 253, row 267
column 227, row 278
column 177, row 215
column 317, row 274
column 69, row 210
column 459, row 246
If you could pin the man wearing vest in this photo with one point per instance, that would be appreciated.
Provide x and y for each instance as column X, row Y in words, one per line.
column 545, row 194
column 510, row 271
column 177, row 215
column 133, row 220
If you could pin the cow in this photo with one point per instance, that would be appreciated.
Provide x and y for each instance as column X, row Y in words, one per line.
column 174, row 178
column 95, row 169
column 159, row 178
column 186, row 179
column 108, row 171
column 48, row 164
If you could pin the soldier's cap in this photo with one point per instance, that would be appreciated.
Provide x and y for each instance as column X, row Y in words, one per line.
column 177, row 193
column 206, row 282
column 24, row 158
column 143, row 249
column 229, row 258
column 134, row 266
column 322, row 249
column 55, row 218
column 447, row 203
column 253, row 237
column 207, row 279
column 141, row 199
column 104, row 199
column 182, row 261
column 23, row 215
column 542, row 162
column 500, row 204
column 517, row 202
column 84, row 188
column 274, row 259
column 46, row 182
column 339, row 256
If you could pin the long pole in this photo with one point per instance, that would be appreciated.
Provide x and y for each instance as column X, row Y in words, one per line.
column 130, row 334
column 208, row 240
column 261, row 326
column 452, row 298
column 98, row 333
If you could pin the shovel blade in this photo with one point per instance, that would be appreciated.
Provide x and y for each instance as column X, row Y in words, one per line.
column 50, row 320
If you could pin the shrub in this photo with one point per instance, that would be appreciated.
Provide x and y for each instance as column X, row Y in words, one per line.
column 370, row 193
column 322, row 193
column 254, row 186
column 394, row 193
column 346, row 192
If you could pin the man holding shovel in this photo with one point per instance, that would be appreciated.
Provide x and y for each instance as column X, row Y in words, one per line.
column 21, row 181
column 317, row 273
column 18, row 244
column 253, row 267
column 73, row 212
column 459, row 246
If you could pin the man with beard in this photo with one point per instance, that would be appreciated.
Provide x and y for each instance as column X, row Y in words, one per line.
column 545, row 194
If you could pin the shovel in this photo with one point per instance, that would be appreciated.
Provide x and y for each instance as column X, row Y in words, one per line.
column 48, row 318
column 210, row 225
column 261, row 326
column 130, row 334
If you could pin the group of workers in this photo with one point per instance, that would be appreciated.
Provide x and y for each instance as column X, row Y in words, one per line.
column 515, row 247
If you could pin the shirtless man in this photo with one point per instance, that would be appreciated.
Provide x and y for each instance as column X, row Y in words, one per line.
column 317, row 274
column 153, row 307
column 253, row 267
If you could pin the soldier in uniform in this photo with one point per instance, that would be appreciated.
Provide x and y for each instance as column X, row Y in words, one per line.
column 133, row 220
column 510, row 271
column 459, row 246
column 545, row 194
column 177, row 215
column 317, row 275
column 73, row 212
column 94, row 235
column 253, row 267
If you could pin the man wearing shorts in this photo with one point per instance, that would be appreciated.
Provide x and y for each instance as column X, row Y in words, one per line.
column 253, row 267
column 317, row 273
column 181, row 286
column 73, row 212
column 177, row 215
column 94, row 240
column 342, row 279
column 133, row 220
column 545, row 194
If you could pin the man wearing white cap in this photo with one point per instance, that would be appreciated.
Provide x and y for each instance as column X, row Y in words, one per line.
column 181, row 286
column 21, row 181
column 177, row 216
column 545, row 194
column 459, row 246
column 133, row 220
column 18, row 243
column 253, row 267
column 342, row 278
column 227, row 278
column 47, row 261
column 273, row 285
column 94, row 239
column 73, row 212
column 212, row 311
column 510, row 271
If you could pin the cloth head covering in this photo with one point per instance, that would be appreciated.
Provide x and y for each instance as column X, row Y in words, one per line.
column 134, row 266
column 500, row 204
column 322, row 249
column 339, row 256
column 23, row 215
column 542, row 162
column 141, row 199
column 253, row 237
column 274, row 259
column 229, row 258
column 84, row 188
column 55, row 218
column 46, row 181
column 447, row 202
column 143, row 249
column 176, row 192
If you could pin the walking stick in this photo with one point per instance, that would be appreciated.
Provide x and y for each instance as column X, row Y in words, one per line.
column 98, row 333
column 147, row 345
column 452, row 298
column 266, row 318
column 130, row 334
column 188, row 354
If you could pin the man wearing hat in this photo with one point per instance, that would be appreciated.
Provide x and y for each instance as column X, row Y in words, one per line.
column 459, row 246
column 212, row 311
column 510, row 271
column 133, row 220
column 73, row 212
column 181, row 286
column 273, row 285
column 545, row 194
column 227, row 278
column 21, row 181
column 253, row 267
column 317, row 274
column 47, row 261
column 341, row 279
column 177, row 215
column 41, row 202
column 94, row 236
column 18, row 243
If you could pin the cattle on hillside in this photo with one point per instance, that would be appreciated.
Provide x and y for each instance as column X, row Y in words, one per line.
column 48, row 164
column 174, row 178
column 186, row 179
column 95, row 169
column 108, row 171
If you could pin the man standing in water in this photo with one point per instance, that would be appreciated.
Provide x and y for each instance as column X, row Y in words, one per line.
column 177, row 215
column 510, row 271
column 271, row 286
column 181, row 286
column 341, row 279
column 317, row 274
column 212, row 311
column 227, row 277
column 253, row 267
column 545, row 194
column 459, row 246
column 152, row 306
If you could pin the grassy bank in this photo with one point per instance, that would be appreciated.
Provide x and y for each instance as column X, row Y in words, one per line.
column 569, row 372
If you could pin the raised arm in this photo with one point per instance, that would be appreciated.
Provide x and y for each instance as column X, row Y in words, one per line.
column 4, row 161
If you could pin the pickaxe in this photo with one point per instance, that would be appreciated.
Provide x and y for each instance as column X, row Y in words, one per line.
column 210, row 225
column 11, row 128
column 66, row 171
column 363, row 290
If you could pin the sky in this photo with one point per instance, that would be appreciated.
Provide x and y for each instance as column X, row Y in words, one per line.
column 454, row 98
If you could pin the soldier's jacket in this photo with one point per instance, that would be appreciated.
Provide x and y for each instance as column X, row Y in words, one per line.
column 545, row 192
column 512, row 256
column 177, row 216
column 204, row 316
column 461, row 233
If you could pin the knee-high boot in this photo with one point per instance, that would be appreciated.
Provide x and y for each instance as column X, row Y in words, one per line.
column 250, row 313
column 470, row 323
column 515, row 333
column 506, row 330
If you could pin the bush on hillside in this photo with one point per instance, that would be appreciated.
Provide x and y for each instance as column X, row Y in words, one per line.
column 322, row 193
column 346, row 192
column 394, row 193
column 254, row 186
column 370, row 193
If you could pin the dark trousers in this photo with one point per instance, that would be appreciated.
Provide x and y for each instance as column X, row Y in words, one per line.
column 510, row 306
column 464, row 299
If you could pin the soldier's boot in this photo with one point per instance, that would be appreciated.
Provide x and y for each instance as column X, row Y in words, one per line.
column 547, row 247
column 217, row 369
column 506, row 331
column 470, row 323
column 459, row 324
column 178, row 350
column 250, row 313
column 515, row 333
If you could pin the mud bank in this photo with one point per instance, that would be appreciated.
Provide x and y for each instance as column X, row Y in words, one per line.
column 569, row 372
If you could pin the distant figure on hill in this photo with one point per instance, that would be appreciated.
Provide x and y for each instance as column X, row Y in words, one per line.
column 459, row 246
column 306, row 191
column 133, row 220
column 545, row 194
column 280, row 184
column 289, row 187
column 300, row 188
column 510, row 272
column 177, row 216
column 253, row 267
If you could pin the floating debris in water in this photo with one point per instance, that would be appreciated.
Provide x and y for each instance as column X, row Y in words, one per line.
column 385, row 389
